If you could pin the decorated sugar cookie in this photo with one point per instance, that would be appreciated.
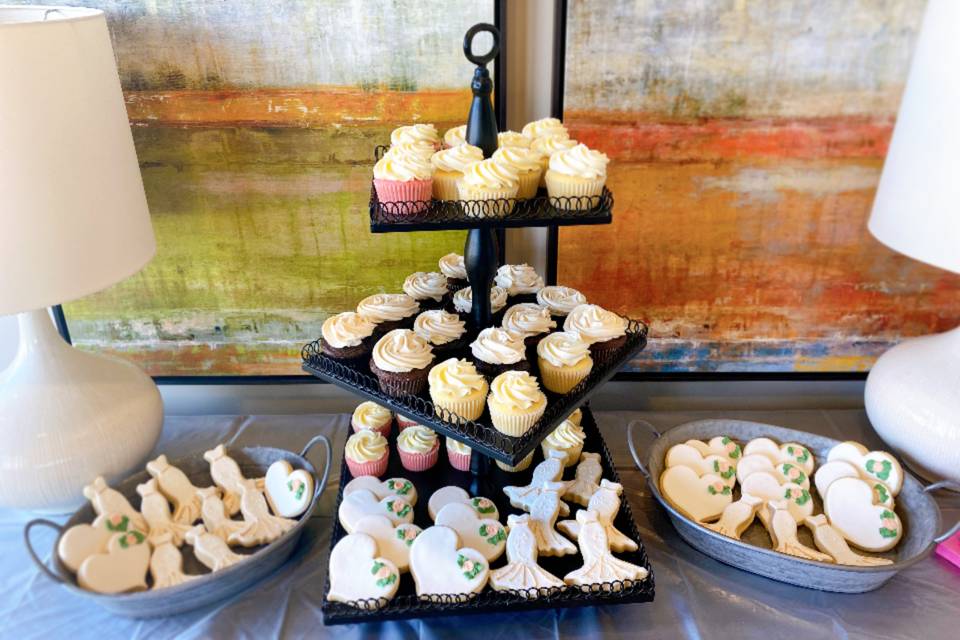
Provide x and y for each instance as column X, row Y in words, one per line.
column 606, row 504
column 213, row 511
column 719, row 446
column 393, row 542
column 156, row 511
column 831, row 542
column 226, row 474
column 767, row 487
column 358, row 573
column 362, row 503
column 259, row 526
column 522, row 571
column 783, row 533
column 550, row 470
column 393, row 487
column 599, row 565
column 796, row 453
column 848, row 450
column 485, row 535
column 176, row 486
column 736, row 517
column 751, row 463
column 81, row 541
column 700, row 498
column 441, row 566
column 830, row 471
column 211, row 550
column 763, row 447
column 166, row 563
column 543, row 515
column 850, row 506
column 587, row 479
column 792, row 472
column 122, row 568
column 288, row 491
column 484, row 507
column 110, row 501
column 873, row 466
column 686, row 456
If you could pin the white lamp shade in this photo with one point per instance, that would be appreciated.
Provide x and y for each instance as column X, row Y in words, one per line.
column 73, row 215
column 917, row 207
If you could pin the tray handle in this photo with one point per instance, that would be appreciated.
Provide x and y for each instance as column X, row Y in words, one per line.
column 40, row 522
column 327, row 459
column 633, row 447
column 952, row 486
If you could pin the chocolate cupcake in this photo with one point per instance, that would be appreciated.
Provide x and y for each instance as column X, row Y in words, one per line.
column 428, row 289
column 603, row 330
column 498, row 350
column 462, row 303
column 452, row 266
column 531, row 321
column 520, row 281
column 401, row 362
column 445, row 332
column 347, row 336
column 560, row 300
column 389, row 310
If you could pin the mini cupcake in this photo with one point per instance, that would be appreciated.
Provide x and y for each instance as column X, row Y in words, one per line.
column 498, row 350
column 452, row 266
column 372, row 417
column 520, row 466
column 404, row 422
column 416, row 133
column 456, row 387
column 455, row 136
column 404, row 183
column 567, row 439
column 419, row 448
column 531, row 321
column 560, row 300
column 543, row 128
column 546, row 146
column 367, row 454
column 421, row 149
column 445, row 332
column 347, row 336
column 458, row 454
column 401, row 361
column 603, row 330
column 564, row 360
column 389, row 310
column 515, row 402
column 521, row 281
column 491, row 184
column 448, row 167
column 512, row 139
column 576, row 172
column 526, row 163
column 429, row 289
column 463, row 303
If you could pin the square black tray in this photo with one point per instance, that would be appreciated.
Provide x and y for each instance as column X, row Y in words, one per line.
column 406, row 604
column 479, row 435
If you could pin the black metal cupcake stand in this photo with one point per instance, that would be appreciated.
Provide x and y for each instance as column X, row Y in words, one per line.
column 481, row 258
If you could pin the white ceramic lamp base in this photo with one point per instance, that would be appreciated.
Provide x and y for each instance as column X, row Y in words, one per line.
column 67, row 416
column 913, row 400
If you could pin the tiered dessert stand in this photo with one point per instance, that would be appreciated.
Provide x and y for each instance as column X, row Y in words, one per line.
column 482, row 259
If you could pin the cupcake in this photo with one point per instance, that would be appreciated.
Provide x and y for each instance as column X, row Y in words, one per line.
column 560, row 301
column 421, row 149
column 404, row 422
column 576, row 416
column 463, row 302
column 347, row 336
column 448, row 167
column 429, row 289
column 531, row 321
column 401, row 361
column 526, row 163
column 521, row 282
column 512, row 139
column 389, row 310
column 416, row 133
column 544, row 127
column 458, row 454
column 603, row 330
column 515, row 402
column 498, row 350
column 445, row 332
column 491, row 184
column 576, row 172
column 564, row 360
column 455, row 136
column 452, row 266
column 520, row 466
column 404, row 183
column 419, row 448
column 367, row 454
column 567, row 439
column 546, row 146
column 456, row 387
column 372, row 417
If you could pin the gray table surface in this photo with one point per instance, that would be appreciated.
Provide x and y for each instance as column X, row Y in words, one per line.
column 695, row 595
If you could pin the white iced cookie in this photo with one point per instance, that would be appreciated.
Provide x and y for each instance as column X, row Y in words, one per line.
column 874, row 466
column 358, row 573
column 684, row 455
column 178, row 489
column 543, row 515
column 110, row 501
column 362, row 503
column 793, row 472
column 550, row 470
column 213, row 512
column 718, row 446
column 763, row 446
column 751, row 463
column 767, row 487
column 393, row 541
column 850, row 506
column 288, row 491
column 259, row 526
column 700, row 498
column 122, row 568
column 156, row 511
column 796, row 453
column 522, row 571
column 736, row 517
column 441, row 566
column 211, row 550
column 783, row 533
column 485, row 535
column 599, row 565
column 831, row 542
column 81, row 541
column 606, row 504
column 440, row 498
column 393, row 487
column 226, row 474
column 166, row 563
column 587, row 479
column 830, row 471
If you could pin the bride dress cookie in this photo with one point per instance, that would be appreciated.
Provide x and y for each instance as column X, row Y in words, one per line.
column 440, row 566
column 393, row 487
column 176, row 486
column 226, row 474
column 736, row 517
column 110, row 501
column 122, row 568
column 213, row 512
column 156, row 511
column 393, row 542
column 873, row 466
column 606, row 504
column 599, row 565
column 211, row 550
column 700, row 498
column 358, row 574
column 767, row 487
column 81, row 541
column 783, row 533
column 362, row 503
column 259, row 526
column 522, row 571
column 485, row 535
column 587, row 480
column 550, row 470
column 166, row 563
column 831, row 542
column 543, row 515
column 850, row 506
column 445, row 495
column 719, row 446
column 289, row 491
column 683, row 455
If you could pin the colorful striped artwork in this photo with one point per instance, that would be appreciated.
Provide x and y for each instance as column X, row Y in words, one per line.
column 747, row 139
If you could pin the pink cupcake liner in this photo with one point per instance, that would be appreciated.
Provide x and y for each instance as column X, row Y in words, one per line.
column 419, row 461
column 418, row 191
column 370, row 468
column 403, row 423
column 383, row 430
column 459, row 461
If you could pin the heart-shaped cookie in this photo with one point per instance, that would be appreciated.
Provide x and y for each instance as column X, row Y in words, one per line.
column 719, row 446
column 752, row 463
column 767, row 486
column 440, row 566
column 393, row 542
column 121, row 569
column 683, row 455
column 700, row 498
column 81, row 541
column 873, row 466
column 830, row 471
column 288, row 491
column 362, row 503
column 849, row 504
column 485, row 535
column 440, row 498
column 392, row 487
column 763, row 447
column 796, row 453
column 793, row 472
column 357, row 573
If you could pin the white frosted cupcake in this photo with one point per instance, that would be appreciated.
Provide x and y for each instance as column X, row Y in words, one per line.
column 455, row 136
column 564, row 361
column 401, row 361
column 515, row 402
column 463, row 301
column 429, row 289
column 497, row 350
column 528, row 165
column 453, row 266
column 605, row 331
column 531, row 321
column 543, row 128
column 347, row 336
column 456, row 387
column 416, row 133
column 520, row 281
column 373, row 417
column 560, row 300
column 512, row 139
column 419, row 448
column 444, row 331
column 420, row 149
column 448, row 167
column 459, row 455
column 367, row 453
column 494, row 185
column 389, row 310
column 576, row 173
column 568, row 439
column 405, row 182
column 546, row 146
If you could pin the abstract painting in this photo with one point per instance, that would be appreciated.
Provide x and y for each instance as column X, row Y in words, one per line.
column 255, row 124
column 746, row 140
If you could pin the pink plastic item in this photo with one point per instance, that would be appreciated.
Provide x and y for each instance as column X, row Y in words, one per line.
column 949, row 549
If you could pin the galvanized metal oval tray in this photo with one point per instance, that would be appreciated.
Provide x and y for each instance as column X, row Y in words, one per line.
column 917, row 510
column 210, row 587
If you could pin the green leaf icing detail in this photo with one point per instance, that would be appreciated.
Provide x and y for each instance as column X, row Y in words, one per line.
column 885, row 467
column 383, row 582
column 472, row 572
column 400, row 488
column 888, row 533
column 121, row 526
column 882, row 494
column 494, row 538
column 476, row 505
